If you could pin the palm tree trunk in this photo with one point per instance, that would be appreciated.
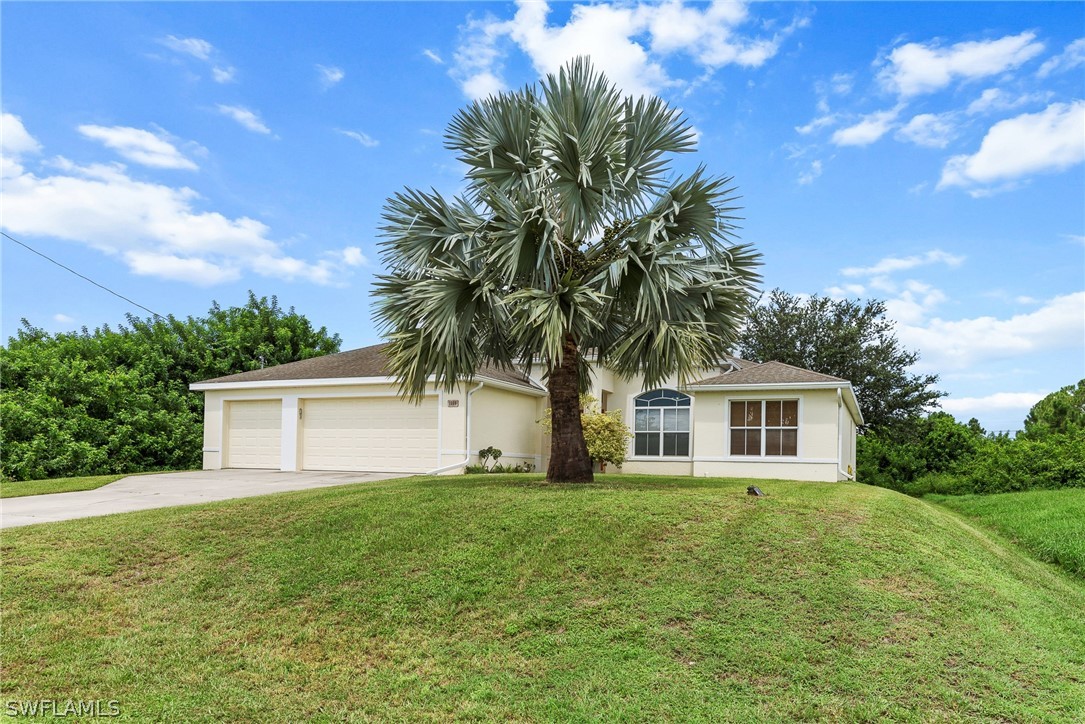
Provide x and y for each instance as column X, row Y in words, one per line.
column 569, row 460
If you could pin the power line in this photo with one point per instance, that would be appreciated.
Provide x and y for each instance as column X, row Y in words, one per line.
column 73, row 271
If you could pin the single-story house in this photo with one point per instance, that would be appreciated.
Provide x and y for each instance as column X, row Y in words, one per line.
column 342, row 412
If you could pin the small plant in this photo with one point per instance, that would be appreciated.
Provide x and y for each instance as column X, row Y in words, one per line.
column 491, row 453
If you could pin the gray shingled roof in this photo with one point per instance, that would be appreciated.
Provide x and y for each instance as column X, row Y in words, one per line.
column 364, row 362
column 767, row 373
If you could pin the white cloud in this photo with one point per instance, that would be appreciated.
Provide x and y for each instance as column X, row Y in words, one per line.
column 841, row 83
column 363, row 138
column 245, row 117
column 432, row 55
column 915, row 68
column 14, row 139
column 192, row 270
column 810, row 175
column 329, row 75
column 196, row 47
column 15, row 143
column 1051, row 140
column 1071, row 57
column 63, row 318
column 816, row 124
column 155, row 229
column 223, row 74
column 948, row 345
column 928, row 129
column 914, row 302
column 139, row 146
column 352, row 256
column 868, row 130
column 995, row 99
column 974, row 406
column 891, row 264
column 202, row 50
column 846, row 290
column 627, row 42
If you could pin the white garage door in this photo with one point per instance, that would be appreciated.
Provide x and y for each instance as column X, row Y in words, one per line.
column 377, row 433
column 254, row 434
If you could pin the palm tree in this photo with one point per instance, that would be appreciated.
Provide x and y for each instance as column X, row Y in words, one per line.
column 569, row 247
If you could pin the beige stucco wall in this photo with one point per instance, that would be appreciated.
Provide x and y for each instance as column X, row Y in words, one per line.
column 506, row 420
column 818, row 441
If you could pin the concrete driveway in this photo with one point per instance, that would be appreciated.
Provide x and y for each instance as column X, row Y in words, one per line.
column 141, row 492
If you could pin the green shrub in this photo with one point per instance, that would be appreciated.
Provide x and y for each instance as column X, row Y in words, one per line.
column 1003, row 465
column 117, row 400
column 940, row 455
column 605, row 433
column 902, row 455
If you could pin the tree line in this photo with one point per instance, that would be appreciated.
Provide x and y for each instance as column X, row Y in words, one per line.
column 117, row 400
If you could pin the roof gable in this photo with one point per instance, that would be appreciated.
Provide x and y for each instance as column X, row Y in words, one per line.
column 768, row 373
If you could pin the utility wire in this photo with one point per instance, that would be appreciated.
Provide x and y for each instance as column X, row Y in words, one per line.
column 73, row 271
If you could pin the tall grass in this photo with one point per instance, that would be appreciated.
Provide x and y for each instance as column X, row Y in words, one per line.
column 1049, row 523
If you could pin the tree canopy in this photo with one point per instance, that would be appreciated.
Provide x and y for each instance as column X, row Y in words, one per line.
column 117, row 400
column 844, row 338
column 570, row 246
column 1061, row 412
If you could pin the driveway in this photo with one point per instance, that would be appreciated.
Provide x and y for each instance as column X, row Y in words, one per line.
column 142, row 492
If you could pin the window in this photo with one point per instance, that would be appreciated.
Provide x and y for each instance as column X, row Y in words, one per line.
column 765, row 427
column 661, row 424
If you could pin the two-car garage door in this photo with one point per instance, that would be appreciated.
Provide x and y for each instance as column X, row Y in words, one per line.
column 383, row 434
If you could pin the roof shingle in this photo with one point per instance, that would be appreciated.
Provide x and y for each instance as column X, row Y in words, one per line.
column 767, row 373
column 365, row 362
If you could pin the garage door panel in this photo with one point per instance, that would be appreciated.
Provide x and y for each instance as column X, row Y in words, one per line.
column 254, row 435
column 379, row 434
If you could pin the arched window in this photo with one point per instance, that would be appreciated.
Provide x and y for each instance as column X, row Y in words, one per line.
column 661, row 424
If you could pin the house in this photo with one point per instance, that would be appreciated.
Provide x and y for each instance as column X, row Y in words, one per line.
column 342, row 412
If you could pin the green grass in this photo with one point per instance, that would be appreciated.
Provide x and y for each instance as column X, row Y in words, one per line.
column 1049, row 523
column 13, row 489
column 504, row 598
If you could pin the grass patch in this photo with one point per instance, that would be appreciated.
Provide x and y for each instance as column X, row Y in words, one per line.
column 17, row 489
column 503, row 597
column 1049, row 523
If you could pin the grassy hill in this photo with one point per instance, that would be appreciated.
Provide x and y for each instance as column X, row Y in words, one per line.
column 506, row 598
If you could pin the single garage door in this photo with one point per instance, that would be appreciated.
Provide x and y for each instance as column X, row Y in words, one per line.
column 383, row 434
column 254, row 434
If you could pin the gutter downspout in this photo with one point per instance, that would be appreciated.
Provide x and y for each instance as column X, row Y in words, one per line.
column 840, row 435
column 467, row 435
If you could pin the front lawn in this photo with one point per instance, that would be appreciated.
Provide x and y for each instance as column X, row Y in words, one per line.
column 504, row 598
column 13, row 489
column 1049, row 523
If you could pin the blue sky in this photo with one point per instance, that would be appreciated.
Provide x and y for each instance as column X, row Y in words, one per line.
column 927, row 154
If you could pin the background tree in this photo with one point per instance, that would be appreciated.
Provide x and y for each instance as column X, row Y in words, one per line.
column 844, row 338
column 568, row 243
column 1061, row 412
column 117, row 401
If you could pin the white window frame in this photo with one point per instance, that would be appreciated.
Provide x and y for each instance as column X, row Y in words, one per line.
column 798, row 456
column 633, row 425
